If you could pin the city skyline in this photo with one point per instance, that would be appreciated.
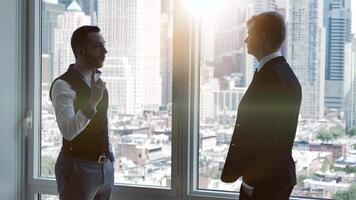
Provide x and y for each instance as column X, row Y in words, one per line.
column 67, row 22
column 305, row 36
column 304, row 49
column 337, row 23
column 133, row 43
column 138, row 72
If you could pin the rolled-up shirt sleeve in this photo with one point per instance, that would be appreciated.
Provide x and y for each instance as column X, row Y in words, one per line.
column 70, row 123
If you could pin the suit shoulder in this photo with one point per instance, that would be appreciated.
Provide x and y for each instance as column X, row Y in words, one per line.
column 271, row 75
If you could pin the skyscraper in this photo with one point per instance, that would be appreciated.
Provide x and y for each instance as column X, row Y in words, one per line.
column 305, row 54
column 208, row 86
column 230, row 32
column 66, row 3
column 282, row 8
column 50, row 11
column 67, row 22
column 350, row 84
column 89, row 7
column 264, row 6
column 166, row 50
column 131, row 29
column 337, row 22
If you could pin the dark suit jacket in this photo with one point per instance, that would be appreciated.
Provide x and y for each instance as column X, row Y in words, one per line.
column 267, row 117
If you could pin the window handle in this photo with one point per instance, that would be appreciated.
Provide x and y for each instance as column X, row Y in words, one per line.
column 28, row 122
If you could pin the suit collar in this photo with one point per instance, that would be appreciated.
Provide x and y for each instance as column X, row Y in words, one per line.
column 269, row 64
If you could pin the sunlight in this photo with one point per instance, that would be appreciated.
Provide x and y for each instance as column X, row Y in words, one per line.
column 203, row 6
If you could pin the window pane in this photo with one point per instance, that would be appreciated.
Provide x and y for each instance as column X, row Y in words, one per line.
column 319, row 50
column 138, row 74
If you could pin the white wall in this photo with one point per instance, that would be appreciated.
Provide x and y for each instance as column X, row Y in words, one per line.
column 9, row 100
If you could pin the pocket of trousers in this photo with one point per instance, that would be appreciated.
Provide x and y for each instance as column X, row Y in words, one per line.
column 63, row 170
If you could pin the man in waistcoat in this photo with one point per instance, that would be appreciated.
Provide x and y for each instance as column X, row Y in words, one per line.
column 84, row 169
column 261, row 146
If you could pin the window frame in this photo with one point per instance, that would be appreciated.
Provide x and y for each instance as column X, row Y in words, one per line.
column 40, row 185
column 185, row 115
column 190, row 152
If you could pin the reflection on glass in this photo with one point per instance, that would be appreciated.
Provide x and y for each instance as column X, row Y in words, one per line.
column 138, row 75
column 325, row 145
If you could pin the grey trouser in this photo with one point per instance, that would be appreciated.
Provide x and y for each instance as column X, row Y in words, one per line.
column 82, row 179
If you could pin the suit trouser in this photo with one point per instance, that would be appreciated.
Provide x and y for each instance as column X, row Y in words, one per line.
column 83, row 180
column 268, row 191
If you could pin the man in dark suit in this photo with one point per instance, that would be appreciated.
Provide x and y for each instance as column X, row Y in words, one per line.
column 261, row 146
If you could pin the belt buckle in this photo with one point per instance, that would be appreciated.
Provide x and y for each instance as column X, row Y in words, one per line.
column 102, row 159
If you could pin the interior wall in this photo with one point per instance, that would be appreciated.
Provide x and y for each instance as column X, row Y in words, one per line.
column 10, row 186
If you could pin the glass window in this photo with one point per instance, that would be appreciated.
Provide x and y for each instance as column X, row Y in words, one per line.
column 324, row 148
column 138, row 76
column 138, row 73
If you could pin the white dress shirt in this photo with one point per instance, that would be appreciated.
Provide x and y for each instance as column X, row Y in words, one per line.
column 63, row 96
column 267, row 58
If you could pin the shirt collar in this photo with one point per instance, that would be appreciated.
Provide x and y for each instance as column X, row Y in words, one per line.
column 267, row 58
column 86, row 75
column 71, row 66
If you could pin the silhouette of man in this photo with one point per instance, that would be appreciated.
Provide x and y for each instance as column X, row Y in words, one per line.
column 261, row 146
column 84, row 169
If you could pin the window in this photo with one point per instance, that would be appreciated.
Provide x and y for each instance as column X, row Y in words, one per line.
column 171, row 127
column 138, row 73
column 323, row 149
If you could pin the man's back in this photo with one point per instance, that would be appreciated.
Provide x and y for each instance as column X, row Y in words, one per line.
column 266, row 124
column 279, row 93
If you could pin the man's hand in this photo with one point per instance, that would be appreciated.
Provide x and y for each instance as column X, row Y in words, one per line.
column 97, row 90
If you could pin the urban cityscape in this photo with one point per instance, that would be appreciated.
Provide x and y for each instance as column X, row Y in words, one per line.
column 320, row 47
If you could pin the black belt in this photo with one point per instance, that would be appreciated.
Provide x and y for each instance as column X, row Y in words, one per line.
column 98, row 158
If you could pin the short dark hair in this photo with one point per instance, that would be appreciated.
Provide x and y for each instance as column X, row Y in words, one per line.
column 272, row 23
column 79, row 37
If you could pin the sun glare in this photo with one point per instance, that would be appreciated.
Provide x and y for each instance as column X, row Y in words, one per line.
column 203, row 6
